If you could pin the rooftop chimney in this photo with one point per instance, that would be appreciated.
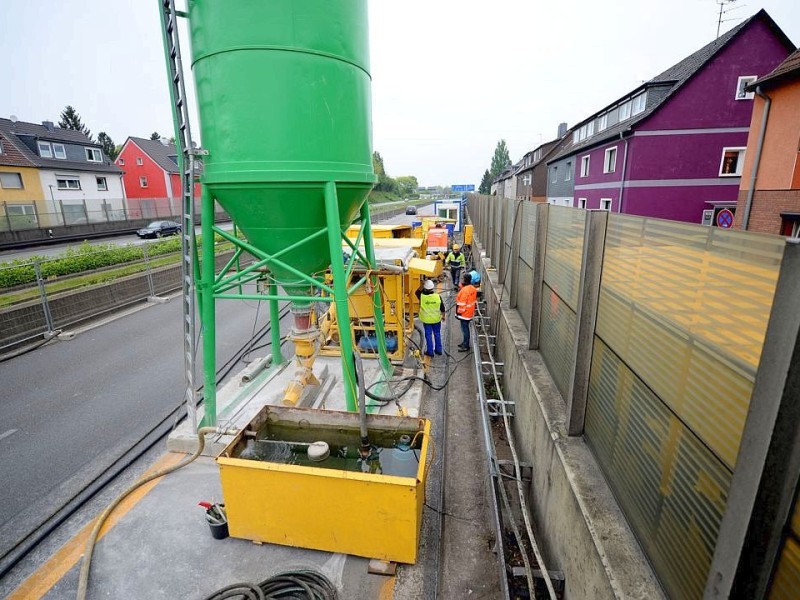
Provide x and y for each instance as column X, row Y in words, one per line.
column 164, row 141
column 48, row 125
column 562, row 130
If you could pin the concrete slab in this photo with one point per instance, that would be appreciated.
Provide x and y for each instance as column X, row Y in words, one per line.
column 163, row 548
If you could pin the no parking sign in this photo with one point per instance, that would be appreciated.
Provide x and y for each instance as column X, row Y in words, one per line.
column 725, row 218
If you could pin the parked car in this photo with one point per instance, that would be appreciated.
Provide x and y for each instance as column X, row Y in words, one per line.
column 411, row 210
column 157, row 229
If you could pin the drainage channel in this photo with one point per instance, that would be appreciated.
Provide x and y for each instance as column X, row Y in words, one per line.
column 535, row 580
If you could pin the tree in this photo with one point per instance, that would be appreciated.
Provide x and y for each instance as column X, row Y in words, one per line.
column 407, row 185
column 108, row 145
column 385, row 183
column 486, row 183
column 155, row 136
column 70, row 119
column 500, row 161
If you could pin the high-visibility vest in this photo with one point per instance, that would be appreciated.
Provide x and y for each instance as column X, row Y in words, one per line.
column 430, row 308
column 465, row 302
column 454, row 260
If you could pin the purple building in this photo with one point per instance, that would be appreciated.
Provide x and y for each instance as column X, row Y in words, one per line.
column 673, row 148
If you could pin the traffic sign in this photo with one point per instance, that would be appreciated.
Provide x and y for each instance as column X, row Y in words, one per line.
column 463, row 188
column 725, row 218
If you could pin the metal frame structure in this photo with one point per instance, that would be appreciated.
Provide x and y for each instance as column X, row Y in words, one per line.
column 211, row 286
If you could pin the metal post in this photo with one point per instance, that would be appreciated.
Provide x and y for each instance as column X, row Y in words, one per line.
column 8, row 218
column 275, row 325
column 340, row 295
column 48, row 317
column 765, row 481
column 501, row 253
column 377, row 298
column 85, row 210
column 594, row 240
column 148, row 271
column 539, row 252
column 63, row 216
column 516, row 239
column 207, row 315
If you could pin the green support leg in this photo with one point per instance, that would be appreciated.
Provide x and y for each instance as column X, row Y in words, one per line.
column 275, row 325
column 340, row 295
column 377, row 299
column 207, row 314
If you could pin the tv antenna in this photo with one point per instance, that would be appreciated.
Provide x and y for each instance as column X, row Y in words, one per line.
column 723, row 11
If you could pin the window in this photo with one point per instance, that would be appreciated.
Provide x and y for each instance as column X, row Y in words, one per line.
column 58, row 150
column 602, row 122
column 121, row 162
column 605, row 203
column 11, row 181
column 537, row 155
column 143, row 181
column 639, row 103
column 585, row 166
column 45, row 151
column 1, row 148
column 139, row 161
column 741, row 83
column 568, row 174
column 102, row 184
column 554, row 174
column 625, row 110
column 610, row 161
column 94, row 155
column 581, row 202
column 732, row 162
column 67, row 182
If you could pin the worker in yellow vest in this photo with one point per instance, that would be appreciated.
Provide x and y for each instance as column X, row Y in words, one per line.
column 456, row 261
column 431, row 309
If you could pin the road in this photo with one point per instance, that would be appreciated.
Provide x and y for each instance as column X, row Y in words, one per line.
column 70, row 408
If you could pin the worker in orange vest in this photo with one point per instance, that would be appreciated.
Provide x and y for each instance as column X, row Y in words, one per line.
column 465, row 309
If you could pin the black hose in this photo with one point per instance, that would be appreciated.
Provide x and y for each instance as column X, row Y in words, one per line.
column 291, row 585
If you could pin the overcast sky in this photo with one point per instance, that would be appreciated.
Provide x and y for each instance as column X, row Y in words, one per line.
column 450, row 77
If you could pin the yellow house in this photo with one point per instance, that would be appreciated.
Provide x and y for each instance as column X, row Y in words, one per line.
column 21, row 197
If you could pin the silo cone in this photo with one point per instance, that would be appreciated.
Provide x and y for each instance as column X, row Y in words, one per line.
column 283, row 91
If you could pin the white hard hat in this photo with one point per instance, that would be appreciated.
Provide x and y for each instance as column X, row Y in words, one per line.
column 428, row 285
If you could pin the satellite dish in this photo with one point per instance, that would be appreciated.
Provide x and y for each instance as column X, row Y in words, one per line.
column 13, row 118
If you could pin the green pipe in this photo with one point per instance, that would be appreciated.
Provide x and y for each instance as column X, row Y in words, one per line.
column 377, row 302
column 236, row 256
column 275, row 325
column 271, row 259
column 208, row 311
column 357, row 285
column 303, row 299
column 355, row 249
column 340, row 295
column 241, row 281
column 234, row 259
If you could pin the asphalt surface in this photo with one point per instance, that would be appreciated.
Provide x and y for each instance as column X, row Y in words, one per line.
column 70, row 408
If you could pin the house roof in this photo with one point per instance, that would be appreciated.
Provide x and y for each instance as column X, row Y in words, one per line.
column 159, row 152
column 788, row 70
column 13, row 131
column 546, row 148
column 11, row 155
column 667, row 83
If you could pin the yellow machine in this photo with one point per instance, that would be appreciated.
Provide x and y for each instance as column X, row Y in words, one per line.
column 400, row 273
column 399, row 230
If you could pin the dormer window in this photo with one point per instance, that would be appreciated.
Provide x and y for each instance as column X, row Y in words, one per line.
column 94, row 155
column 625, row 110
column 639, row 103
column 59, row 151
column 45, row 151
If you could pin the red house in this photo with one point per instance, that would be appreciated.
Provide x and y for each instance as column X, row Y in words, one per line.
column 151, row 178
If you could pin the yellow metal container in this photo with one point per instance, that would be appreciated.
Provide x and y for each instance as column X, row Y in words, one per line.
column 467, row 234
column 366, row 514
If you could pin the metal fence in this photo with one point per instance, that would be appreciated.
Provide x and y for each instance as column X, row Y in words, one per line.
column 40, row 296
column 654, row 332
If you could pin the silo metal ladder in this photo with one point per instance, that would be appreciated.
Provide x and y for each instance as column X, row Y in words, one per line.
column 187, row 153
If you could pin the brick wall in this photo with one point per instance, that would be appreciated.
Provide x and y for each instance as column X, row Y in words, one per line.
column 765, row 212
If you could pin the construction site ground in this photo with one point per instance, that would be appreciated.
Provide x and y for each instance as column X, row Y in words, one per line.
column 157, row 543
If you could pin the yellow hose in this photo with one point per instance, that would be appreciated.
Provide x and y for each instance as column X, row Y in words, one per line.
column 83, row 581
